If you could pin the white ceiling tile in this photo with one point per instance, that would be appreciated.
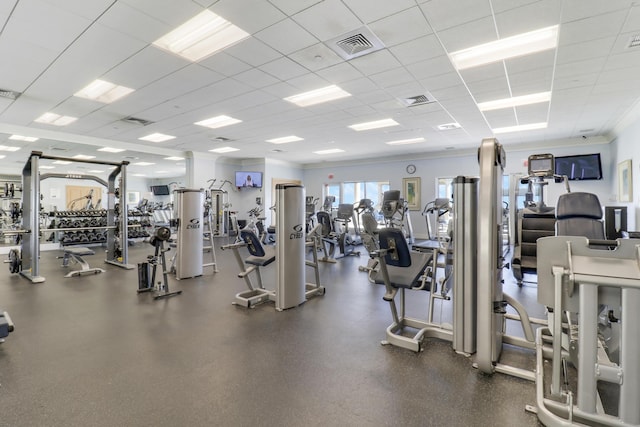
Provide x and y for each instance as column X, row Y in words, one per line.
column 521, row 64
column 256, row 78
column 253, row 52
column 448, row 92
column 308, row 82
column 316, row 57
column 490, row 89
column 86, row 9
column 252, row 16
column 501, row 118
column 577, row 80
column 484, row 72
column 283, row 68
column 536, row 113
column 417, row 50
column 372, row 10
column 172, row 12
column 27, row 62
column 225, row 64
column 57, row 28
column 630, row 58
column 585, row 50
column 392, row 77
column 533, row 81
column 431, row 67
column 407, row 25
column 143, row 68
column 291, row 7
column 597, row 27
column 443, row 14
column 574, row 11
column 406, row 90
column 286, row 37
column 328, row 19
column 128, row 20
column 468, row 34
column 339, row 73
column 375, row 62
column 529, row 17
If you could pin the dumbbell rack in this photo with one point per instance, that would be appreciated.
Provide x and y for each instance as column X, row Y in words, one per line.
column 81, row 227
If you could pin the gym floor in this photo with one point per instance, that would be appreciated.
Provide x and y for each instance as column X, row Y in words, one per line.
column 90, row 351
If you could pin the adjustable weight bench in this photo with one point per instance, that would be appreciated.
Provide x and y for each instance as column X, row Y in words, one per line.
column 75, row 254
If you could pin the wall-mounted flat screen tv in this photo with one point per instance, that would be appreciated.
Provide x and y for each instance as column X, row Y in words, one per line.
column 160, row 190
column 580, row 167
column 248, row 179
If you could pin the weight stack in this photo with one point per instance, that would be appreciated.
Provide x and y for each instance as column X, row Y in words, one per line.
column 144, row 275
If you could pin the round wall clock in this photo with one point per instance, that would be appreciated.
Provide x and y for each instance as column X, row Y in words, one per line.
column 411, row 169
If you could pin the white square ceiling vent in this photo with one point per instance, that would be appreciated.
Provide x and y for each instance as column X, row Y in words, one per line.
column 422, row 99
column 355, row 43
column 5, row 93
column 137, row 121
column 634, row 41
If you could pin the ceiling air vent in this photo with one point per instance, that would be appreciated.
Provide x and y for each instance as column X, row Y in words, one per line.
column 220, row 139
column 58, row 149
column 10, row 94
column 414, row 101
column 634, row 41
column 137, row 121
column 355, row 43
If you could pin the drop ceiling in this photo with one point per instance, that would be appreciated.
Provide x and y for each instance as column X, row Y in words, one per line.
column 51, row 49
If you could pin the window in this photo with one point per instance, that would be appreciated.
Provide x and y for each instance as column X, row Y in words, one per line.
column 353, row 191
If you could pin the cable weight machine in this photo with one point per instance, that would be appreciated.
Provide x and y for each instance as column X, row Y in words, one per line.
column 26, row 261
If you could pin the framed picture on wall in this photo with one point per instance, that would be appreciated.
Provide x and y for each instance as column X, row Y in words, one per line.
column 625, row 181
column 411, row 192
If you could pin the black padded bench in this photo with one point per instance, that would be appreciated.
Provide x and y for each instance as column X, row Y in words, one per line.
column 75, row 254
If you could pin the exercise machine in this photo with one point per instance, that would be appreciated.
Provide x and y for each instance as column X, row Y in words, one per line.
column 147, row 271
column 189, row 221
column 288, row 254
column 26, row 261
column 395, row 211
column 6, row 325
column 577, row 276
column 536, row 219
column 402, row 269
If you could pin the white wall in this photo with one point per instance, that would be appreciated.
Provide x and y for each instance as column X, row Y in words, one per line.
column 448, row 167
column 625, row 147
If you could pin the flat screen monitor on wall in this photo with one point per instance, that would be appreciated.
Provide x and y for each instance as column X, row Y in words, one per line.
column 248, row 179
column 160, row 190
column 580, row 167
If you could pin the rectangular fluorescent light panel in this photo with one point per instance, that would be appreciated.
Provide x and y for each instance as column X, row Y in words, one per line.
column 285, row 139
column 2, row 156
column 143, row 164
column 46, row 167
column 8, row 148
column 520, row 128
column 405, row 141
column 111, row 150
column 96, row 171
column 201, row 36
column 83, row 157
column 61, row 162
column 157, row 137
column 138, row 174
column 103, row 91
column 317, row 96
column 374, row 125
column 23, row 138
column 330, row 151
column 224, row 150
column 218, row 122
column 174, row 158
column 515, row 101
column 510, row 47
column 55, row 119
